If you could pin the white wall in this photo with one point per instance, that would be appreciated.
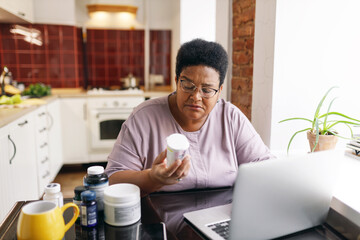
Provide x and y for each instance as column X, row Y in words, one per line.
column 312, row 45
column 197, row 20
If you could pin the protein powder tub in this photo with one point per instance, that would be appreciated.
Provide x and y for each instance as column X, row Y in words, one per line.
column 97, row 181
column 177, row 144
column 122, row 204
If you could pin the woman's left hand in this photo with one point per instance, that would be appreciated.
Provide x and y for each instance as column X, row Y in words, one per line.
column 169, row 175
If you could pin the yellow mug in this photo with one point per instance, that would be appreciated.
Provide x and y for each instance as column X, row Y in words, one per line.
column 44, row 220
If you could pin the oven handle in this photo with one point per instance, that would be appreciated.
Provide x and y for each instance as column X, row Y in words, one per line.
column 111, row 113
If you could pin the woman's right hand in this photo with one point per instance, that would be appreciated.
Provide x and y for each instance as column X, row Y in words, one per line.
column 164, row 175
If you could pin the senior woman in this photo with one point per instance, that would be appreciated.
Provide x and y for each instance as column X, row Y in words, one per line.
column 221, row 137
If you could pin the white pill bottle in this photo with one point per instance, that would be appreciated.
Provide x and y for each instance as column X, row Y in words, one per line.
column 177, row 145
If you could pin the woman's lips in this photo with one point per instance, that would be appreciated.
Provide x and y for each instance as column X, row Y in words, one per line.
column 192, row 106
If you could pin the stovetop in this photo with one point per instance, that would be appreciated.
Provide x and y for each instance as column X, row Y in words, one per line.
column 101, row 91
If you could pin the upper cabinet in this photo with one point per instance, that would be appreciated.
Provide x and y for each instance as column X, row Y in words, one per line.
column 17, row 11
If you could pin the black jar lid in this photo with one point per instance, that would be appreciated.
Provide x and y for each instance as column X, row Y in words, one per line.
column 78, row 190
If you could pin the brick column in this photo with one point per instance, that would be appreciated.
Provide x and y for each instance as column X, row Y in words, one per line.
column 243, row 49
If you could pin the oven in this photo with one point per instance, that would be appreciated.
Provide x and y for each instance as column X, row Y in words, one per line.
column 105, row 118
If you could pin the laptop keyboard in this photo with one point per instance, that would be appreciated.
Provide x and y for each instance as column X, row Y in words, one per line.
column 221, row 228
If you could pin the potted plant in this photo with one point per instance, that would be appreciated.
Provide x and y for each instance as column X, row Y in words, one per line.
column 321, row 134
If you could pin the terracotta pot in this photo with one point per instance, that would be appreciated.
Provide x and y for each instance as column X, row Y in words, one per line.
column 326, row 142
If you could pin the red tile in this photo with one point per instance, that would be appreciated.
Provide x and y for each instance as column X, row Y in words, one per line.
column 54, row 72
column 25, row 73
column 68, row 31
column 69, row 72
column 68, row 59
column 111, row 47
column 54, row 59
column 9, row 58
column 99, row 60
column 99, row 73
column 111, row 34
column 98, row 34
column 112, row 59
column 8, row 43
column 53, row 30
column 24, row 58
column 113, row 73
column 54, row 44
column 68, row 45
column 22, row 44
column 99, row 47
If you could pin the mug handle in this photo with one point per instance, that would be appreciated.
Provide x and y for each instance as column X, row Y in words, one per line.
column 76, row 214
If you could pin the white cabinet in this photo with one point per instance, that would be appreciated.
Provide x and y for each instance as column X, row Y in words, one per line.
column 48, row 143
column 55, row 137
column 74, row 135
column 18, row 172
column 17, row 10
column 42, row 148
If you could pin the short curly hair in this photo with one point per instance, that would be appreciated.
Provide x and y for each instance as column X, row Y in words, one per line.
column 200, row 52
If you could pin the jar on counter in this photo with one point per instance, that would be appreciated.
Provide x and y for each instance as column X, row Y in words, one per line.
column 53, row 194
column 88, row 209
column 97, row 180
column 77, row 197
column 122, row 204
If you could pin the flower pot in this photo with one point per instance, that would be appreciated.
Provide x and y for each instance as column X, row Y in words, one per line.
column 325, row 142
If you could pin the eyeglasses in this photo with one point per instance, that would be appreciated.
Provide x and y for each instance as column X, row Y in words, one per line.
column 190, row 87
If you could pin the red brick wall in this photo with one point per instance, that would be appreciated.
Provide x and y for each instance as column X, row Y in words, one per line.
column 243, row 51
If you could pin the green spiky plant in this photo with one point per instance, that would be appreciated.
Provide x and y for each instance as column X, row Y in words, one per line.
column 320, row 125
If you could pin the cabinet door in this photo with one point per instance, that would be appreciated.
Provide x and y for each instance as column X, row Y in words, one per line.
column 5, row 199
column 22, row 167
column 22, row 9
column 42, row 148
column 73, row 121
column 55, row 137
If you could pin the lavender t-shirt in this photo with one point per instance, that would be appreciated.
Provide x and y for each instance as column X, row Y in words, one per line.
column 226, row 140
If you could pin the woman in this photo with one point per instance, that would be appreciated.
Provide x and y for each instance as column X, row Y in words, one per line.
column 221, row 137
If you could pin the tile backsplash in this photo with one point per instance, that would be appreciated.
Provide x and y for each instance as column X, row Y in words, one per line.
column 64, row 59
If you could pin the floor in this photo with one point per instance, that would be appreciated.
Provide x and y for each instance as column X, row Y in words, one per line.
column 71, row 176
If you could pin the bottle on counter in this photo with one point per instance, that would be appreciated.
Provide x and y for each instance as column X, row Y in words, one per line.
column 77, row 197
column 53, row 194
column 88, row 209
column 97, row 180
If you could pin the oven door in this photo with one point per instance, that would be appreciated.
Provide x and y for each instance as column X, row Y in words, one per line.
column 105, row 125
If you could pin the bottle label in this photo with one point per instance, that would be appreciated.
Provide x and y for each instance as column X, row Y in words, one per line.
column 88, row 215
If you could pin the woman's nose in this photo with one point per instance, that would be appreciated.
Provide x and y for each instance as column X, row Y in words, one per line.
column 196, row 94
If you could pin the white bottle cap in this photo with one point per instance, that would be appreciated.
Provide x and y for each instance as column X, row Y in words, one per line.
column 177, row 142
column 52, row 188
column 95, row 170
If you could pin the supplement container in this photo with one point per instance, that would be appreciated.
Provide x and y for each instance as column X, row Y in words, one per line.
column 53, row 194
column 97, row 181
column 177, row 144
column 122, row 204
column 77, row 198
column 88, row 209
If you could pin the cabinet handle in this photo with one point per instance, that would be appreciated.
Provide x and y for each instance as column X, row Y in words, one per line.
column 23, row 123
column 41, row 114
column 45, row 160
column 51, row 120
column 42, row 130
column 13, row 156
column 46, row 174
column 85, row 111
column 43, row 145
column 21, row 14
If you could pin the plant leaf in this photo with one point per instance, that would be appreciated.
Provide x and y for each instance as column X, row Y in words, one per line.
column 320, row 104
column 292, row 137
column 327, row 113
column 296, row 118
column 317, row 134
column 341, row 115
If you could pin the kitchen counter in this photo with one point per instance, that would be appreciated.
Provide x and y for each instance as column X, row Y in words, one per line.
column 7, row 115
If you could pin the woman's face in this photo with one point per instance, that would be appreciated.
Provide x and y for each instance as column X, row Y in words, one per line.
column 193, row 106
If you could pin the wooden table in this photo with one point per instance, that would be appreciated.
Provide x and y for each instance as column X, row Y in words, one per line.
column 160, row 207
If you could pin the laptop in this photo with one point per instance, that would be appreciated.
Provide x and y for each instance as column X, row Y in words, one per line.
column 273, row 198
